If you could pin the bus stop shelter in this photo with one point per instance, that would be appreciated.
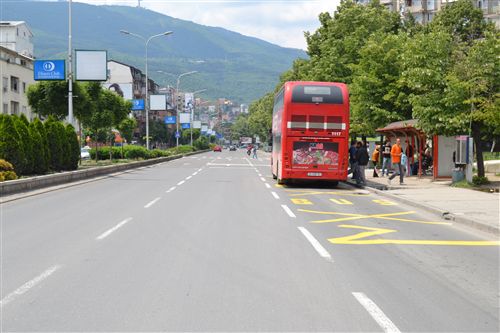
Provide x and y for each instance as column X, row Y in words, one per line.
column 407, row 131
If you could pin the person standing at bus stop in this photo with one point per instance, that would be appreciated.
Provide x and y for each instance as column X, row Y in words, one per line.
column 396, row 152
column 362, row 159
column 386, row 157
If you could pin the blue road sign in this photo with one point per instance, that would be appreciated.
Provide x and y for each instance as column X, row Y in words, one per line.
column 186, row 126
column 48, row 70
column 137, row 104
column 169, row 120
column 177, row 134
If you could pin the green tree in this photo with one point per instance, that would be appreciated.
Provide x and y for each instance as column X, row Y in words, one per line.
column 49, row 98
column 55, row 140
column 40, row 165
column 334, row 47
column 11, row 148
column 27, row 144
column 127, row 127
column 260, row 117
column 186, row 135
column 45, row 144
column 73, row 147
column 378, row 95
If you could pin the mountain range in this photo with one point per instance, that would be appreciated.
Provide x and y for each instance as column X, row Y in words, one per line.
column 229, row 64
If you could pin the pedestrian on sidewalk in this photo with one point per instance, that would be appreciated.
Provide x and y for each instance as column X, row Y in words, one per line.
column 386, row 157
column 362, row 159
column 352, row 161
column 254, row 151
column 375, row 157
column 396, row 153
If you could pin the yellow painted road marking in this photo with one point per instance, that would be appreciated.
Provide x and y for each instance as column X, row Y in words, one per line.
column 356, row 239
column 372, row 216
column 341, row 201
column 384, row 202
column 301, row 201
column 300, row 193
column 278, row 185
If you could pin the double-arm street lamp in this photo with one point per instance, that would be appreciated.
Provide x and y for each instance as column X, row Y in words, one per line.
column 146, row 40
column 177, row 92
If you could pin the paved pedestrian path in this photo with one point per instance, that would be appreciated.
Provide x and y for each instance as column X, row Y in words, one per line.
column 471, row 207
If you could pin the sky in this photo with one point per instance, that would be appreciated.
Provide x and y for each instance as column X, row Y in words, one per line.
column 280, row 22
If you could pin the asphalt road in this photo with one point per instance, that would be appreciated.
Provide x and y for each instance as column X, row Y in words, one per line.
column 211, row 243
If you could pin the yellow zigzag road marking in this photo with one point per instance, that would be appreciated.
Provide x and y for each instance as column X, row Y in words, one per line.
column 373, row 216
column 356, row 239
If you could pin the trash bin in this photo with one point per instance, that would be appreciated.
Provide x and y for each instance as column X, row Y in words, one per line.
column 457, row 175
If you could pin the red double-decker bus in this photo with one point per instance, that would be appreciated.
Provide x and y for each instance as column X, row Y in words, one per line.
column 310, row 131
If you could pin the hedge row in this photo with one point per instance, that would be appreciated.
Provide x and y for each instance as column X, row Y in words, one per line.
column 137, row 152
column 36, row 147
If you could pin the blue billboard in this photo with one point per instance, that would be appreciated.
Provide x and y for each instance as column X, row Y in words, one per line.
column 49, row 70
column 170, row 120
column 137, row 104
column 186, row 126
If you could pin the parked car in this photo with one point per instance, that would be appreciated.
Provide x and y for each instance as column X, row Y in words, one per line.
column 85, row 153
column 218, row 148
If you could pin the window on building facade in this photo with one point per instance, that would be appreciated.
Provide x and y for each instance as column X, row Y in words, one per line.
column 5, row 109
column 14, row 84
column 24, row 87
column 25, row 111
column 5, row 84
column 14, row 108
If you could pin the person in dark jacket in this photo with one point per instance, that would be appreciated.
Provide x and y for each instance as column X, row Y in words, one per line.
column 362, row 159
column 352, row 161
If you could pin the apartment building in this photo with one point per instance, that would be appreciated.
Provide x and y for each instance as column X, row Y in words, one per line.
column 16, row 67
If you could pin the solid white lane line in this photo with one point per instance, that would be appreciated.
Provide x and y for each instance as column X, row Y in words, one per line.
column 267, row 185
column 189, row 177
column 288, row 211
column 263, row 179
column 170, row 189
column 116, row 227
column 28, row 285
column 275, row 195
column 152, row 202
column 181, row 182
column 382, row 320
column 314, row 242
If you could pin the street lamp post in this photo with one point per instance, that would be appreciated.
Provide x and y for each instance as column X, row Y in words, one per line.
column 166, row 33
column 177, row 105
column 192, row 112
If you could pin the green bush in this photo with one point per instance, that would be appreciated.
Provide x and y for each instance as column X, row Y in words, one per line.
column 136, row 152
column 11, row 148
column 55, row 143
column 183, row 149
column 40, row 165
column 74, row 148
column 9, row 175
column 5, row 166
column 43, row 168
column 201, row 143
column 477, row 180
column 26, row 142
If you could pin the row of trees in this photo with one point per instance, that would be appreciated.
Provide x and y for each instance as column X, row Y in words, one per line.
column 36, row 147
column 446, row 74
column 98, row 110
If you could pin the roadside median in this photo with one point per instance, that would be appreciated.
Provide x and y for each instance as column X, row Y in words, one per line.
column 19, row 186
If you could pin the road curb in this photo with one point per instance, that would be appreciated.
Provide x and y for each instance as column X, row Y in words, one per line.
column 495, row 230
column 18, row 189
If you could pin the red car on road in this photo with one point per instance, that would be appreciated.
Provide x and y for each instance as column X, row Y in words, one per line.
column 218, row 148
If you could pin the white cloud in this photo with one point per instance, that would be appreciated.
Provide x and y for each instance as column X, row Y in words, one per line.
column 276, row 21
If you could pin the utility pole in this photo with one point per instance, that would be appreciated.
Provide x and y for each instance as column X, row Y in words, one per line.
column 70, row 67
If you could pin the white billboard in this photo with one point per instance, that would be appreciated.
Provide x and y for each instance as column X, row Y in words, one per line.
column 196, row 124
column 188, row 101
column 91, row 65
column 157, row 102
column 204, row 128
column 184, row 118
column 122, row 89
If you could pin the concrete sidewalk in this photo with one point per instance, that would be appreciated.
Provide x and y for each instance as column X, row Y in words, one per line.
column 476, row 209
